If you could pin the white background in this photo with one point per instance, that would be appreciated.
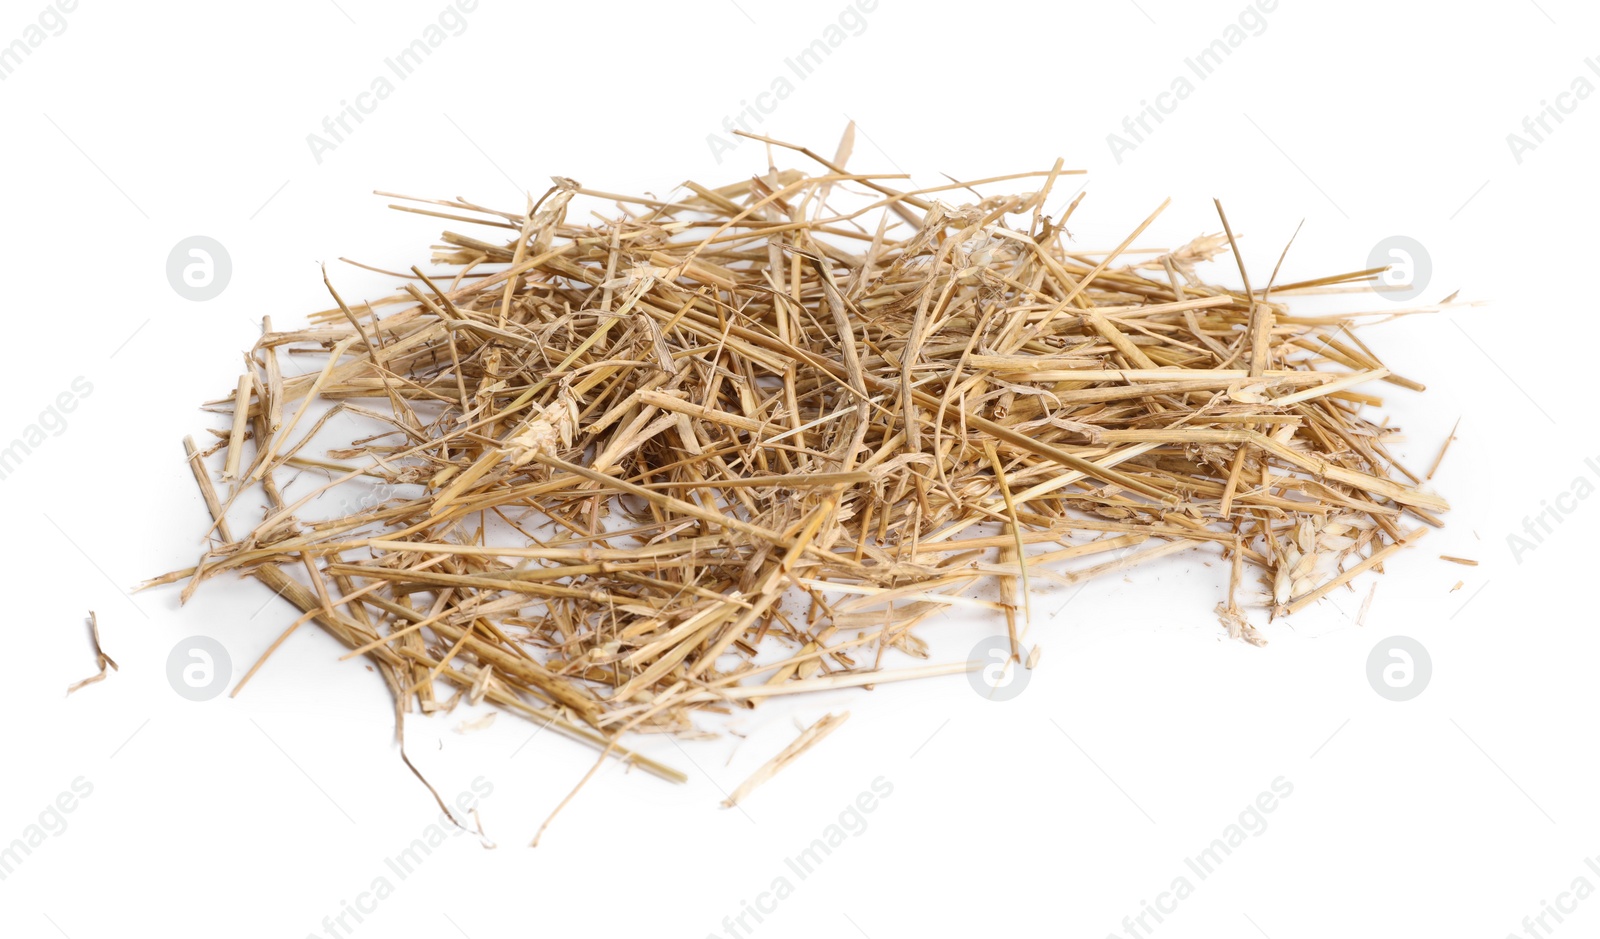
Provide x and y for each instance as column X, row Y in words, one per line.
column 1143, row 732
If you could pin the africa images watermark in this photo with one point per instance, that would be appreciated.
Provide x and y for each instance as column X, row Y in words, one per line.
column 1538, row 925
column 851, row 822
column 1251, row 823
column 52, row 821
column 403, row 865
column 1552, row 512
column 452, row 21
column 350, row 504
column 1538, row 126
column 1137, row 127
column 851, row 21
column 52, row 422
column 50, row 23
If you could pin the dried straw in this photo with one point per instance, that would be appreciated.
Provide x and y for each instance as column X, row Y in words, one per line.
column 692, row 453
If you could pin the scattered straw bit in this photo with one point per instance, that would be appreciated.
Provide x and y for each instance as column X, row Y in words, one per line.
column 477, row 724
column 1361, row 617
column 1455, row 560
column 808, row 738
column 1458, row 586
column 611, row 469
column 484, row 840
column 101, row 659
column 1238, row 626
column 1445, row 448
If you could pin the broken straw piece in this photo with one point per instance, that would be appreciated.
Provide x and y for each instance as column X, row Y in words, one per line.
column 807, row 739
column 100, row 657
